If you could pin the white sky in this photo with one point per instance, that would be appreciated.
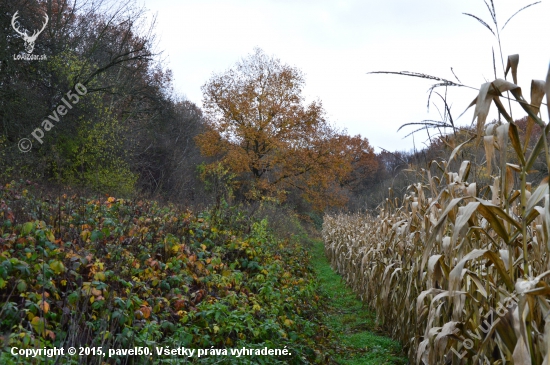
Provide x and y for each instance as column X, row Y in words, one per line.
column 336, row 42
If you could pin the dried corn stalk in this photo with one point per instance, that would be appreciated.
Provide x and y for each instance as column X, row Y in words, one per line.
column 457, row 277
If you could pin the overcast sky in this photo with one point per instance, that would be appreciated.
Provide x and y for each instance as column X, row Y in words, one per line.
column 336, row 42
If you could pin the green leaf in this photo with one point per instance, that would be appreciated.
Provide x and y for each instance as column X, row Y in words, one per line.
column 38, row 324
column 21, row 286
column 96, row 235
column 57, row 267
column 50, row 236
column 106, row 232
column 27, row 228
column 73, row 298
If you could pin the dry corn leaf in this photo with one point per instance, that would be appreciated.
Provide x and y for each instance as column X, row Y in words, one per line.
column 521, row 353
column 456, row 274
column 440, row 342
column 436, row 269
column 483, row 104
column 537, row 149
column 464, row 170
column 513, row 134
column 437, row 230
column 538, row 89
column 513, row 61
column 455, row 151
column 509, row 181
column 489, row 144
column 491, row 213
column 537, row 95
column 539, row 194
column 462, row 219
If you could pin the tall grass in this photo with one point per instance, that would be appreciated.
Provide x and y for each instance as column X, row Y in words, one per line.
column 459, row 272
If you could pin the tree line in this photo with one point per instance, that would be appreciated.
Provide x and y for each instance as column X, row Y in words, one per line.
column 255, row 138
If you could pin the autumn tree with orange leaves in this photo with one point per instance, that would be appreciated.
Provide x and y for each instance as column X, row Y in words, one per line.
column 259, row 127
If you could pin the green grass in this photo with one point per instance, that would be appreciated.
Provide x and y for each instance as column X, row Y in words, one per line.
column 352, row 323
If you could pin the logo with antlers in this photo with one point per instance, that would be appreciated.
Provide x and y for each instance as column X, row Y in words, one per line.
column 29, row 40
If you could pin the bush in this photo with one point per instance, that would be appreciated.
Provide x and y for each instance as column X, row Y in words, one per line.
column 114, row 274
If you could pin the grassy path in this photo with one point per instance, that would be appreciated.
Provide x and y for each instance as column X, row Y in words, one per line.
column 352, row 323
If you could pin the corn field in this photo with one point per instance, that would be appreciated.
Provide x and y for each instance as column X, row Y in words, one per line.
column 459, row 273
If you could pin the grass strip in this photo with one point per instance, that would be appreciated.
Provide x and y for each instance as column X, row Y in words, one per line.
column 353, row 325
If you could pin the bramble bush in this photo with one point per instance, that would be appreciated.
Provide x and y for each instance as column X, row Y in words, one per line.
column 117, row 274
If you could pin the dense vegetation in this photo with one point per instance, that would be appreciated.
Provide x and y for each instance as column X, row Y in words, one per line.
column 128, row 132
column 131, row 133
column 132, row 218
column 136, row 219
column 118, row 274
